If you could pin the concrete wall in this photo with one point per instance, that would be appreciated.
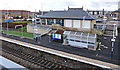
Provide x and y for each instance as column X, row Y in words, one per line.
column 41, row 31
column 30, row 29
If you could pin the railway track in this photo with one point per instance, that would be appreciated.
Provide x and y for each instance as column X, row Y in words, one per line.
column 37, row 62
column 32, row 58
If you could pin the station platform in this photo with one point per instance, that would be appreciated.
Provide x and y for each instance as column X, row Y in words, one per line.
column 64, row 54
column 10, row 65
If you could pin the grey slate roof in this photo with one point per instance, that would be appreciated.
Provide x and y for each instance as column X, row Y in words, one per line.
column 71, row 14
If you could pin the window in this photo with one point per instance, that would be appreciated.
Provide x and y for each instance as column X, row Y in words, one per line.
column 86, row 24
column 43, row 22
column 50, row 21
column 60, row 22
column 76, row 23
column 95, row 13
column 68, row 23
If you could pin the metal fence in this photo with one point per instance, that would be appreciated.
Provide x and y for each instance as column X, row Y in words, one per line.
column 17, row 32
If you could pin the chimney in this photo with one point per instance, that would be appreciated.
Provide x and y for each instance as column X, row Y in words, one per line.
column 82, row 7
column 68, row 7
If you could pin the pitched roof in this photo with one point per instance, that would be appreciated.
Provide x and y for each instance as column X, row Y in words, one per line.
column 71, row 14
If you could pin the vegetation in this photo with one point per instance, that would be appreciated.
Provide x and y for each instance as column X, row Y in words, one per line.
column 25, row 34
column 16, row 22
column 99, row 32
column 24, row 28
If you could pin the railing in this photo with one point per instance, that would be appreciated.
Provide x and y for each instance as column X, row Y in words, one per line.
column 17, row 32
column 11, row 29
column 100, row 27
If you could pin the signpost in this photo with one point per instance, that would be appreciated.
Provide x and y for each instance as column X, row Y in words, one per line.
column 7, row 23
column 83, row 22
column 35, row 31
column 113, row 40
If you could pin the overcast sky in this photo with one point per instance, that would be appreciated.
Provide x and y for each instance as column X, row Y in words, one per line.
column 58, row 4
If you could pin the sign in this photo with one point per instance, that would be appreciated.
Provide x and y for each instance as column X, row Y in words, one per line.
column 113, row 40
column 56, row 36
column 8, row 19
column 35, row 30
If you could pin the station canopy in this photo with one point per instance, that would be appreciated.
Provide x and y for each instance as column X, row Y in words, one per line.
column 81, row 39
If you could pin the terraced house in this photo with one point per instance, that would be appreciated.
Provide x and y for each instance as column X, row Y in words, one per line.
column 78, row 20
column 16, row 13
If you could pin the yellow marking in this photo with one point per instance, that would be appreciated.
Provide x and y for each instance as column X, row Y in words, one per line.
column 100, row 43
column 99, row 49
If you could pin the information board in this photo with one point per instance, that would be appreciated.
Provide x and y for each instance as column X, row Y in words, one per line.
column 56, row 36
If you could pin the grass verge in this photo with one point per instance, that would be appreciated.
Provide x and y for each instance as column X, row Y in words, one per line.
column 25, row 34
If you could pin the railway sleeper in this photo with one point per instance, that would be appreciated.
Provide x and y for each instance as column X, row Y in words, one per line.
column 29, row 57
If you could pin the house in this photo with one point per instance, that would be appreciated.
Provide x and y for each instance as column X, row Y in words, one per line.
column 16, row 13
column 71, row 20
column 114, row 14
column 40, row 13
column 97, row 13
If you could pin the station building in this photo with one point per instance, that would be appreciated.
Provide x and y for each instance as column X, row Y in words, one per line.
column 78, row 20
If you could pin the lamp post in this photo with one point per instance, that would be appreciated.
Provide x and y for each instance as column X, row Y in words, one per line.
column 83, row 23
column 28, row 12
column 113, row 40
column 1, row 22
column 7, row 23
column 104, row 25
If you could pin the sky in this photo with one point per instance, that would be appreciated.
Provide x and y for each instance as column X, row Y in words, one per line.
column 46, row 5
